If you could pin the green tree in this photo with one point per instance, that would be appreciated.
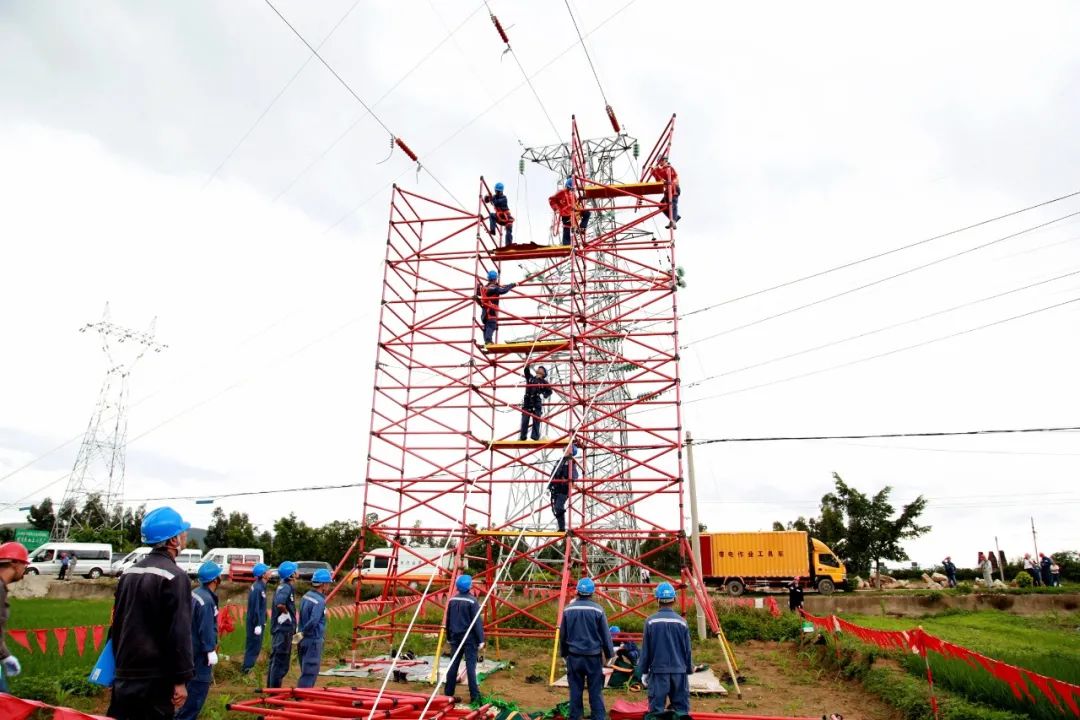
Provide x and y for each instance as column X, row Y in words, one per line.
column 42, row 516
column 334, row 540
column 232, row 530
column 294, row 540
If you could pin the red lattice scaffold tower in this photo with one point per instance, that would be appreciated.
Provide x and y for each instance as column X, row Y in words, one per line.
column 450, row 487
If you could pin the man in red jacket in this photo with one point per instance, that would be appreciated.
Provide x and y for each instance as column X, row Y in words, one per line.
column 665, row 173
column 565, row 205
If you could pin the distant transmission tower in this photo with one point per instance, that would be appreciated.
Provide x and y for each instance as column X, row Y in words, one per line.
column 99, row 466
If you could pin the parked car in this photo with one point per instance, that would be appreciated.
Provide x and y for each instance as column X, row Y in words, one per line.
column 189, row 561
column 92, row 559
column 306, row 568
column 225, row 557
column 416, row 565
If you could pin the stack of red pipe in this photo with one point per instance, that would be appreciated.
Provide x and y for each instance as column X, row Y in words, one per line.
column 354, row 704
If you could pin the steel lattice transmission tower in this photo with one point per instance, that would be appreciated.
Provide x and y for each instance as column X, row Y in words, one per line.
column 100, row 465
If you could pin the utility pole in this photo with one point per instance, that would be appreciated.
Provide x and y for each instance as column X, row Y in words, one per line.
column 1034, row 539
column 695, row 531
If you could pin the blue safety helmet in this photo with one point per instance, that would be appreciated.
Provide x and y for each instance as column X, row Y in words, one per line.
column 499, row 187
column 665, row 592
column 615, row 629
column 209, row 572
column 585, row 586
column 259, row 570
column 322, row 575
column 162, row 524
column 463, row 583
column 493, row 274
column 286, row 569
column 569, row 182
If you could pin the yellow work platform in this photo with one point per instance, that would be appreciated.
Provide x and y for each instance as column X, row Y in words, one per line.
column 593, row 192
column 511, row 444
column 529, row 251
column 525, row 533
column 527, row 347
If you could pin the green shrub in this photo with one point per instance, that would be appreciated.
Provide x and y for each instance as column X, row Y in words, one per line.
column 1023, row 580
column 743, row 624
column 55, row 689
column 964, row 588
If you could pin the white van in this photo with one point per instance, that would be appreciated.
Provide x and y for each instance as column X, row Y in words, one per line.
column 224, row 557
column 189, row 561
column 92, row 560
column 413, row 564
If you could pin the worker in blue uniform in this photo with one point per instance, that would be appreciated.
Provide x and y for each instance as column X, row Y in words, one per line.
column 559, row 487
column 501, row 216
column 489, row 304
column 537, row 388
column 312, row 628
column 256, row 617
column 204, row 639
column 625, row 661
column 282, row 625
column 465, row 633
column 665, row 655
column 585, row 645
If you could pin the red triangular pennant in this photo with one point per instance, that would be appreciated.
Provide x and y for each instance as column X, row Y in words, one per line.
column 42, row 637
column 19, row 636
column 13, row 708
column 61, row 635
column 80, row 639
column 99, row 635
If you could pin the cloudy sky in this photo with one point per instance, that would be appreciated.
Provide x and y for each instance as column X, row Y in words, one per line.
column 137, row 170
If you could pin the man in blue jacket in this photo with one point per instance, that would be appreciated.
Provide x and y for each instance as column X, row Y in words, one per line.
column 585, row 644
column 256, row 617
column 282, row 625
column 465, row 636
column 665, row 655
column 204, row 639
column 559, row 487
column 312, row 628
column 501, row 216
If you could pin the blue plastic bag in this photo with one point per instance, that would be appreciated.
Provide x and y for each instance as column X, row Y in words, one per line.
column 105, row 668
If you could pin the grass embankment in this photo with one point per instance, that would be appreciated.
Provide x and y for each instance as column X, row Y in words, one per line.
column 1046, row 644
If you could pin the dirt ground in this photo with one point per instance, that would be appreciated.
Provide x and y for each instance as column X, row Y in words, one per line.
column 777, row 682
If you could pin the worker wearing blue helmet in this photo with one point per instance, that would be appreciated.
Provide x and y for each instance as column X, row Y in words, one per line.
column 559, row 487
column 204, row 639
column 585, row 645
column 501, row 217
column 625, row 661
column 312, row 628
column 565, row 204
column 465, row 633
column 256, row 617
column 282, row 626
column 151, row 628
column 488, row 296
column 665, row 655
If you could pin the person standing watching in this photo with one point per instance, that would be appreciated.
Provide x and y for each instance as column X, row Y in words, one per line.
column 312, row 628
column 950, row 571
column 65, row 563
column 151, row 625
column 204, row 639
column 585, row 644
column 13, row 562
column 795, row 595
column 466, row 637
column 665, row 655
column 256, row 617
column 283, row 625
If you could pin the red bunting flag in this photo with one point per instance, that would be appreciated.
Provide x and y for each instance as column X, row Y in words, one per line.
column 99, row 635
column 13, row 708
column 42, row 637
column 19, row 636
column 80, row 639
column 61, row 635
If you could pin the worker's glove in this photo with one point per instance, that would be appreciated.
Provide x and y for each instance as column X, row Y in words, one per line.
column 11, row 665
column 211, row 658
column 480, row 646
column 258, row 630
column 283, row 618
column 297, row 638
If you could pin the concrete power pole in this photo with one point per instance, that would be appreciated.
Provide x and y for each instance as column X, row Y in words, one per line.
column 695, row 531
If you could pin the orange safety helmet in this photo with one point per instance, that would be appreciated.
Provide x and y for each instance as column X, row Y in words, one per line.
column 14, row 552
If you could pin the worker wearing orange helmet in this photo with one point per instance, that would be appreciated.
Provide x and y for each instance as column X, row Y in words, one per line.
column 665, row 173
column 13, row 562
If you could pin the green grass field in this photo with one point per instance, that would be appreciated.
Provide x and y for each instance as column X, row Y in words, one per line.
column 1045, row 644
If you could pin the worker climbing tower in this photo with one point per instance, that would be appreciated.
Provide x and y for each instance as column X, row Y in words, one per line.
column 450, row 487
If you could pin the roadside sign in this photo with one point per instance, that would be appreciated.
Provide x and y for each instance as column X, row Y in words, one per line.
column 32, row 539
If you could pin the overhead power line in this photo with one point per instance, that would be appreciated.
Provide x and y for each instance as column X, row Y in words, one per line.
column 886, row 253
column 868, row 333
column 869, row 436
column 885, row 279
column 248, row 493
column 886, row 353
